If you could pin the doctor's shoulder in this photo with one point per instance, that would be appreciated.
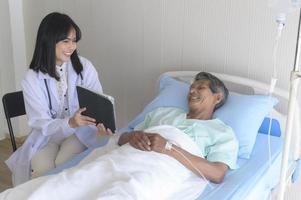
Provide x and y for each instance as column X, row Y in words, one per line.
column 32, row 78
column 88, row 66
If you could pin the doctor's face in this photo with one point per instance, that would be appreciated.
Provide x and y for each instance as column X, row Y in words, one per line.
column 65, row 48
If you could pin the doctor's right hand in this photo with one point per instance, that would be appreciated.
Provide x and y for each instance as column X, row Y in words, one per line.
column 103, row 131
column 80, row 120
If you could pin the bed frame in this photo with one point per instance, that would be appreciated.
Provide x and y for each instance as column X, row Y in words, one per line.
column 248, row 86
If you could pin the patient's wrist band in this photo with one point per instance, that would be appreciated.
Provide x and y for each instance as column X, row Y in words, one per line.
column 168, row 145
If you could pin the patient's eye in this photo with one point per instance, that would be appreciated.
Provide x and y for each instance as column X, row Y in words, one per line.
column 197, row 87
column 201, row 87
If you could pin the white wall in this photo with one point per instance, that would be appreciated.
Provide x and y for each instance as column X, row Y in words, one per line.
column 7, row 77
column 132, row 41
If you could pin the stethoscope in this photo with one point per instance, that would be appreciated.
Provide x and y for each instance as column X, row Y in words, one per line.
column 53, row 113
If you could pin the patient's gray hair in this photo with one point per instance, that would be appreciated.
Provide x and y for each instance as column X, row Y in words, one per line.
column 216, row 86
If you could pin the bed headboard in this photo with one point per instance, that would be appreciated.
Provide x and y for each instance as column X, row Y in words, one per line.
column 248, row 86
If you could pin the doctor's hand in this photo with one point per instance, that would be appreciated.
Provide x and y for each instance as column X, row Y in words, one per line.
column 139, row 140
column 80, row 120
column 103, row 131
column 157, row 142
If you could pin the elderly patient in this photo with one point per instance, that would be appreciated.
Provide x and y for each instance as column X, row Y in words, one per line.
column 215, row 139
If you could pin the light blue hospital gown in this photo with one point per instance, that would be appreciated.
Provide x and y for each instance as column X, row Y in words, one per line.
column 215, row 139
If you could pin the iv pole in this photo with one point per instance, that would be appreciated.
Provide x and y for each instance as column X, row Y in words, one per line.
column 294, row 79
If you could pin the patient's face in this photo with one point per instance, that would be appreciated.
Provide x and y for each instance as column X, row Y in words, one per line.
column 201, row 99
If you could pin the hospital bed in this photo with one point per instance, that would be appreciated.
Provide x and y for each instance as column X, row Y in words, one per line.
column 258, row 174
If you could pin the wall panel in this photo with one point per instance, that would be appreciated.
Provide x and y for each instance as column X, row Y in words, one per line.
column 7, row 80
column 132, row 41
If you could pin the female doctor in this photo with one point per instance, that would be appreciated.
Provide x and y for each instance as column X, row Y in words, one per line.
column 59, row 130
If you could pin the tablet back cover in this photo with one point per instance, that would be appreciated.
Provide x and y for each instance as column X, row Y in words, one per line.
column 99, row 106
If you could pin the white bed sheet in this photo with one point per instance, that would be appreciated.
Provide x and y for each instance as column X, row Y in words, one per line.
column 124, row 172
column 259, row 182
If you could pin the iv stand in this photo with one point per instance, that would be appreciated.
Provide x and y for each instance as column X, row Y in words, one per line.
column 294, row 79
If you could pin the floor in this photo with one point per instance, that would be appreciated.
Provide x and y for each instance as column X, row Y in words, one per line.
column 5, row 152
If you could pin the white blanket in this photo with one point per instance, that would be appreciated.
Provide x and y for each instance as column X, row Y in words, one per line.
column 120, row 173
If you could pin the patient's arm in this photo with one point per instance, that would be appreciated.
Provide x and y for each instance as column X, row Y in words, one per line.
column 137, row 139
column 213, row 171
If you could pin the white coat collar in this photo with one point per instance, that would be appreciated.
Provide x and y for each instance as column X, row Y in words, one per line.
column 41, row 75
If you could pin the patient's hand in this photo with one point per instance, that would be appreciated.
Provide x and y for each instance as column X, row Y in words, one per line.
column 139, row 140
column 102, row 130
column 157, row 142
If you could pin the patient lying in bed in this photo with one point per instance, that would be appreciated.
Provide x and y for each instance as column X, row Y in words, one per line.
column 216, row 141
column 144, row 167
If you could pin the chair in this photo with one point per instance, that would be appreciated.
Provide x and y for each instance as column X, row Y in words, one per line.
column 13, row 104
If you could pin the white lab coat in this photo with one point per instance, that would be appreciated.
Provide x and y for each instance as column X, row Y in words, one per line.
column 39, row 117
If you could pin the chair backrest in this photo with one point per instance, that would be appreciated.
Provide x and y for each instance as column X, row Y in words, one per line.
column 13, row 104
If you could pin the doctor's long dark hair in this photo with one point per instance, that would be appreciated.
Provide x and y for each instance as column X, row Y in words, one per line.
column 53, row 28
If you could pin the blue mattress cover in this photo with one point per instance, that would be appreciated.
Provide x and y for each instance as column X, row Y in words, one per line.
column 237, row 183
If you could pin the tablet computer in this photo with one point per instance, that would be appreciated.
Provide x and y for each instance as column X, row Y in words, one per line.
column 99, row 106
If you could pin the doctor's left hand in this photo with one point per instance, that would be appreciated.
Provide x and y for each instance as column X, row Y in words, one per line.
column 80, row 120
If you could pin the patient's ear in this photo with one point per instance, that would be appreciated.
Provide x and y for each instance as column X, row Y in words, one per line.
column 218, row 97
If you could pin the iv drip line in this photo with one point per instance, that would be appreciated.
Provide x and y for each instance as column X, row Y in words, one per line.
column 169, row 146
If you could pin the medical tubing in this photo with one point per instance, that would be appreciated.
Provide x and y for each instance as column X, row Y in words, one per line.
column 269, row 146
column 279, row 31
column 274, row 59
column 194, row 167
column 269, row 141
column 269, row 135
column 281, row 24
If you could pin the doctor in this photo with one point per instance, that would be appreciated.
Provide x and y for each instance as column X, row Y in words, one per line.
column 59, row 130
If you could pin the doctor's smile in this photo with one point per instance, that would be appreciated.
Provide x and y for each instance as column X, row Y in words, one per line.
column 65, row 48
